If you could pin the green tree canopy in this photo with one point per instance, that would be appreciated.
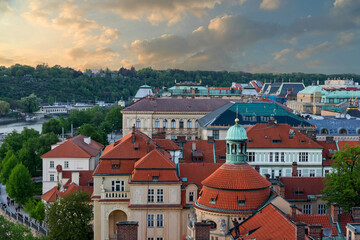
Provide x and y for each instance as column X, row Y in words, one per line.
column 74, row 210
column 36, row 209
column 114, row 118
column 30, row 104
column 53, row 125
column 8, row 164
column 20, row 185
column 96, row 134
column 342, row 185
column 4, row 107
column 14, row 231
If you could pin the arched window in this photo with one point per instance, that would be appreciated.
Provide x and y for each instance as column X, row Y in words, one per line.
column 157, row 123
column 165, row 123
column 138, row 123
column 173, row 123
column 181, row 123
column 343, row 131
column 189, row 123
column 227, row 148
column 196, row 124
column 324, row 131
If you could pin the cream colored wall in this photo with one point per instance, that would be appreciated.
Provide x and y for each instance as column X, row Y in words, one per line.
column 138, row 193
column 191, row 188
column 98, row 181
column 314, row 205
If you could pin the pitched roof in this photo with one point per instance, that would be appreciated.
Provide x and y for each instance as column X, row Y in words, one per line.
column 344, row 219
column 323, row 219
column 277, row 136
column 105, row 167
column 269, row 223
column 176, row 105
column 312, row 90
column 301, row 187
column 207, row 150
column 154, row 160
column 203, row 170
column 51, row 195
column 333, row 125
column 74, row 188
column 167, row 144
column 85, row 177
column 342, row 144
column 328, row 152
column 75, row 148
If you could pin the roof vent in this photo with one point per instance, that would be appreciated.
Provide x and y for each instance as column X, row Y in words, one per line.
column 291, row 133
column 87, row 140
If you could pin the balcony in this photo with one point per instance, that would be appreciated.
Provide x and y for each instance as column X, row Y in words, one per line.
column 115, row 195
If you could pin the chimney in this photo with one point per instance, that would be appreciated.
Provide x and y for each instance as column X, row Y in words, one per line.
column 315, row 231
column 181, row 139
column 293, row 212
column 202, row 231
column 148, row 146
column 272, row 123
column 280, row 189
column 257, row 168
column 300, row 231
column 210, row 139
column 334, row 211
column 291, row 133
column 194, row 146
column 127, row 230
column 355, row 213
column 87, row 140
column 75, row 177
column 329, row 140
column 294, row 169
column 133, row 128
column 133, row 137
column 267, row 176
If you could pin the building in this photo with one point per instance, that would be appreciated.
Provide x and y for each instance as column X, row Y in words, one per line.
column 281, row 91
column 337, row 83
column 175, row 117
column 336, row 97
column 216, row 123
column 76, row 154
column 144, row 91
column 308, row 100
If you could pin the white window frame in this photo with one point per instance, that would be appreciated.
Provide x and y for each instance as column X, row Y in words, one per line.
column 52, row 177
column 138, row 123
column 165, row 123
column 277, row 157
column 151, row 195
column 282, row 157
column 66, row 164
column 321, row 209
column 216, row 134
column 160, row 195
column 52, row 164
column 157, row 123
column 312, row 173
column 189, row 124
column 307, row 209
column 150, row 220
column 303, row 156
column 251, row 156
column 299, row 172
column 160, row 220
column 191, row 196
column 173, row 123
column 117, row 186
column 271, row 157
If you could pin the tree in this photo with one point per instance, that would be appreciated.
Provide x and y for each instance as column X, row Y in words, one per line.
column 30, row 104
column 342, row 185
column 20, row 185
column 36, row 209
column 8, row 164
column 14, row 231
column 74, row 210
column 51, row 100
column 53, row 125
column 114, row 117
column 96, row 134
column 4, row 107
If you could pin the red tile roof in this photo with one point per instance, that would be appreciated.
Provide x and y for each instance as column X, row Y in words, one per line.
column 206, row 149
column 342, row 144
column 85, row 177
column 328, row 152
column 124, row 148
column 236, row 177
column 75, row 148
column 197, row 172
column 269, row 223
column 51, row 195
column 262, row 136
column 323, row 219
column 344, row 219
column 154, row 164
column 74, row 188
column 167, row 144
column 176, row 105
column 105, row 167
column 308, row 185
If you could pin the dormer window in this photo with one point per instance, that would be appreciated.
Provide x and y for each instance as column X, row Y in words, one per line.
column 115, row 164
column 212, row 200
column 276, row 140
column 299, row 191
column 241, row 202
column 155, row 178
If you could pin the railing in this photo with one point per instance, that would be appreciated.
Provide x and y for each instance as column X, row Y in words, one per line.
column 115, row 195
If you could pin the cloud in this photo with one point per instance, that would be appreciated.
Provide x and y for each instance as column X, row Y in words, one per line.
column 270, row 4
column 6, row 61
column 310, row 50
column 4, row 6
column 82, row 53
column 210, row 47
column 278, row 56
column 313, row 64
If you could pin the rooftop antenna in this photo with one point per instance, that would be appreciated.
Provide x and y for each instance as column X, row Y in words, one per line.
column 237, row 112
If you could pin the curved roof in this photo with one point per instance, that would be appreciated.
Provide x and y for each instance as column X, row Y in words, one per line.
column 236, row 177
column 236, row 133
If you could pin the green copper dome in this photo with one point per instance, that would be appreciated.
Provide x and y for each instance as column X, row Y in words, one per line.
column 236, row 132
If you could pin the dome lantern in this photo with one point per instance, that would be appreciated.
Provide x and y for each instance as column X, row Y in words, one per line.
column 236, row 139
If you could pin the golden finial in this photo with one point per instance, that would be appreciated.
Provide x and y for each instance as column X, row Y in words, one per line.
column 236, row 120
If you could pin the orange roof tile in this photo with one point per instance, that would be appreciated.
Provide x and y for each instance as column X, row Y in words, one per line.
column 75, row 148
column 269, row 223
column 308, row 185
column 236, row 176
column 262, row 136
column 328, row 152
column 84, row 176
column 197, row 172
column 51, row 195
column 207, row 150
column 344, row 219
column 155, row 159
column 323, row 219
column 167, row 144
column 104, row 167
column 140, row 175
column 343, row 144
column 74, row 188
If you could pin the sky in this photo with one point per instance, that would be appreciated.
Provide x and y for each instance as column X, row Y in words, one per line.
column 311, row 36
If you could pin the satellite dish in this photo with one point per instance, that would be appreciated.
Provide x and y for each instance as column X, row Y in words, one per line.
column 342, row 115
column 337, row 115
column 347, row 116
column 327, row 232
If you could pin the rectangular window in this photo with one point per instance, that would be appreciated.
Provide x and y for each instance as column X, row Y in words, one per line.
column 276, row 157
column 321, row 209
column 312, row 172
column 52, row 178
column 159, row 238
column 150, row 238
column 138, row 123
column 150, row 220
column 66, row 164
column 216, row 134
column 191, row 196
column 307, row 209
column 299, row 172
column 151, row 193
column 282, row 157
column 160, row 195
column 159, row 220
column 51, row 164
column 270, row 157
column 189, row 124
column 280, row 173
column 303, row 157
column 251, row 156
column 273, row 173
column 117, row 186
column 157, row 123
